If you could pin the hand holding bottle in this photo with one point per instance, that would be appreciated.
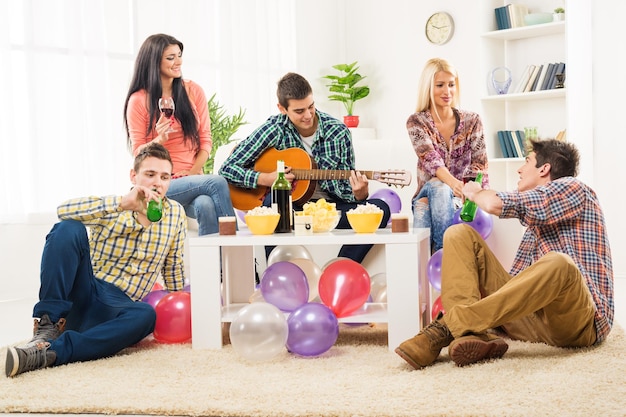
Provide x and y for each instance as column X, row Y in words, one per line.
column 468, row 211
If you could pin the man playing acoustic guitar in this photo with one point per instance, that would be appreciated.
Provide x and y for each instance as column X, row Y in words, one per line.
column 328, row 143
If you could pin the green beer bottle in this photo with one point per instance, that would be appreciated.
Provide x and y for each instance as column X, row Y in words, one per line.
column 468, row 212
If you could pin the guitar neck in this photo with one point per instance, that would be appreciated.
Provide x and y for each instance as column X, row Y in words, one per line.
column 329, row 174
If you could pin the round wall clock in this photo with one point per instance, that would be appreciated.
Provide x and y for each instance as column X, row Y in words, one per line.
column 439, row 28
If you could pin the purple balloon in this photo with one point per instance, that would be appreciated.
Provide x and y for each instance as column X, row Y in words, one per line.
column 284, row 285
column 187, row 288
column 154, row 297
column 313, row 329
column 390, row 197
column 433, row 269
column 482, row 223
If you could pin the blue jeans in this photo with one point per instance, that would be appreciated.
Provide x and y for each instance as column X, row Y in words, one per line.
column 205, row 198
column 100, row 318
column 437, row 214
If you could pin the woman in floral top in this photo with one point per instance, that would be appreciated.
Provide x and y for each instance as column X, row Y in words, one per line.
column 449, row 144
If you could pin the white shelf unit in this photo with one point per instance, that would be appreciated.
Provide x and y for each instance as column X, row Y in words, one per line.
column 515, row 49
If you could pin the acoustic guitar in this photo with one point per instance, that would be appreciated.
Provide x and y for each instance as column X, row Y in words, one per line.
column 306, row 174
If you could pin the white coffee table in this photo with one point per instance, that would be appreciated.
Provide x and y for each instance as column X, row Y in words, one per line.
column 406, row 257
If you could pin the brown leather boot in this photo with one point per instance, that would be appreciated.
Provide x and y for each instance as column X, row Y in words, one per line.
column 473, row 348
column 422, row 350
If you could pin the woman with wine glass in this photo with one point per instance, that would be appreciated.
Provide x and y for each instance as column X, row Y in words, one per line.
column 450, row 147
column 181, row 123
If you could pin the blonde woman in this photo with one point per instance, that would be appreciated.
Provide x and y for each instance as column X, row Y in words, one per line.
column 449, row 144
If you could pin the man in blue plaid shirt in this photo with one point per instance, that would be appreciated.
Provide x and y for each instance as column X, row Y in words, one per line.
column 92, row 285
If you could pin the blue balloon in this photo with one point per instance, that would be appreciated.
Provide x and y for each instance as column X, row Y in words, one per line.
column 313, row 329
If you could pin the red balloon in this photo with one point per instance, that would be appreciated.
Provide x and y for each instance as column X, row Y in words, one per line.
column 437, row 307
column 344, row 286
column 173, row 322
column 157, row 286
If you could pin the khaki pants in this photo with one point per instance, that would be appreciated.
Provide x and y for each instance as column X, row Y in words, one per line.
column 547, row 302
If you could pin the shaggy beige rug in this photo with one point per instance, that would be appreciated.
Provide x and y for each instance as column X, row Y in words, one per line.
column 358, row 376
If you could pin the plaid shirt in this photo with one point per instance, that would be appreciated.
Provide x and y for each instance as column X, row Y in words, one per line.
column 565, row 216
column 127, row 254
column 332, row 149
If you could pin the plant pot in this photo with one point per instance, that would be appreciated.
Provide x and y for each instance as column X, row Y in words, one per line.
column 558, row 17
column 351, row 121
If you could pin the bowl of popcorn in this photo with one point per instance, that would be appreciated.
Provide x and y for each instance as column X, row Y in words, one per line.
column 261, row 220
column 324, row 214
column 365, row 218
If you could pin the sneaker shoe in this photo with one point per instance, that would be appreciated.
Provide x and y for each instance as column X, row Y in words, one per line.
column 422, row 350
column 45, row 331
column 473, row 348
column 20, row 360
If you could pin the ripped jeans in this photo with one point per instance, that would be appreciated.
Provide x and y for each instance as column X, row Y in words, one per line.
column 437, row 213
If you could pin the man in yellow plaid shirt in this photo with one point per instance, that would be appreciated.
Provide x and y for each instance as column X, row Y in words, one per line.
column 92, row 284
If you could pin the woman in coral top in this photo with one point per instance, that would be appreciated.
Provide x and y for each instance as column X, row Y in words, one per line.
column 186, row 135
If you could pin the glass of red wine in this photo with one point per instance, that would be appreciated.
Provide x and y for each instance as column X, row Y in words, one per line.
column 470, row 174
column 166, row 105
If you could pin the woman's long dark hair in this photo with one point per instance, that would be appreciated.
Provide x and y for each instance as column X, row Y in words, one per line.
column 147, row 76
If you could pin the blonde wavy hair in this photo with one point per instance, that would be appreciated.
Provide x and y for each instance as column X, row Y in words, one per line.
column 427, row 84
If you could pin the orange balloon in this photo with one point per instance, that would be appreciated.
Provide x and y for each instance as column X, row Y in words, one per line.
column 344, row 287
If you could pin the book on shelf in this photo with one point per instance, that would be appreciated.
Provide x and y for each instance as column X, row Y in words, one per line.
column 516, row 14
column 536, row 81
column 512, row 143
column 546, row 80
column 559, row 69
column 532, row 79
column 501, row 140
column 510, row 16
column 517, row 149
column 521, row 84
column 521, row 140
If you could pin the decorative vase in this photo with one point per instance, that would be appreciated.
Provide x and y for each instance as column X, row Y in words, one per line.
column 501, row 79
column 351, row 121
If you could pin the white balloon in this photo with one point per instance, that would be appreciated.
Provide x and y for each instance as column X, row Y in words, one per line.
column 287, row 253
column 259, row 332
column 312, row 272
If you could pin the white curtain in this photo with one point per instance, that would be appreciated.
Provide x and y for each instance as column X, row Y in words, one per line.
column 66, row 68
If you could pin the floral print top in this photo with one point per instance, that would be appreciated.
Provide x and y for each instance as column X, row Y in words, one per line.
column 467, row 146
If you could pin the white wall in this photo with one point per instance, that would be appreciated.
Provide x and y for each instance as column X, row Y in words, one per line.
column 387, row 38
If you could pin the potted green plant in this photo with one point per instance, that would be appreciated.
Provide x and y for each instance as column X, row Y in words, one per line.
column 559, row 14
column 223, row 127
column 344, row 88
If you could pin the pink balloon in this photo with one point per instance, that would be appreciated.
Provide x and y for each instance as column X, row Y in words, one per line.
column 154, row 297
column 433, row 269
column 482, row 223
column 390, row 197
column 344, row 287
column 173, row 322
column 284, row 285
